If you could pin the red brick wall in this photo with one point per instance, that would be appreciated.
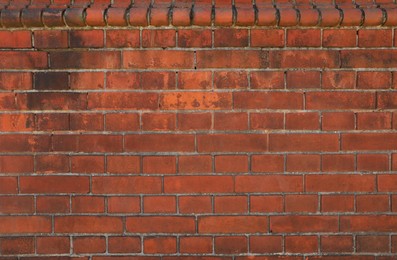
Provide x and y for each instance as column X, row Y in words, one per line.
column 252, row 140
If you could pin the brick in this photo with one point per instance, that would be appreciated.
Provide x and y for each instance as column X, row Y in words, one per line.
column 124, row 245
column 379, row 223
column 370, row 141
column 195, row 80
column 87, row 80
column 372, row 162
column 268, row 100
column 87, row 164
column 16, row 80
column 50, row 39
column 298, row 223
column 267, row 121
column 195, row 204
column 25, row 143
column 303, row 38
column 194, row 121
column 338, row 163
column 231, row 245
column 339, row 243
column 231, row 163
column 302, row 121
column 231, row 121
column 337, row 203
column 303, row 163
column 123, row 164
column 267, row 79
column 53, row 204
column 375, row 38
column 337, row 121
column 374, row 121
column 53, row 245
column 17, row 245
column 158, row 38
column 339, row 38
column 126, row 185
column 122, row 122
column 51, row 81
column 195, row 245
column 303, row 59
column 188, row 38
column 157, row 245
column 25, row 224
column 368, row 58
column 232, row 59
column 338, row 79
column 266, row 203
column 160, row 143
column 301, row 244
column 16, row 204
column 159, row 165
column 23, row 60
column 266, row 244
column 394, row 161
column 267, row 163
column 158, row 80
column 269, row 183
column 54, row 184
column 159, row 204
column 340, row 100
column 123, row 80
column 122, row 38
column 232, row 224
column 158, row 121
column 231, row 204
column 122, row 101
column 52, row 164
column 15, row 39
column 232, row 143
column 86, row 39
column 372, row 203
column 387, row 182
column 230, row 37
column 339, row 183
column 303, row 79
column 88, row 204
column 88, row 224
column 372, row 244
column 85, row 60
column 301, row 203
column 84, row 245
column 52, row 101
column 100, row 143
column 124, row 204
column 16, row 164
column 8, row 101
column 303, row 142
column 373, row 80
column 195, row 100
column 156, row 59
column 198, row 184
column 230, row 80
column 387, row 100
column 195, row 164
column 267, row 38
column 160, row 224
column 52, row 122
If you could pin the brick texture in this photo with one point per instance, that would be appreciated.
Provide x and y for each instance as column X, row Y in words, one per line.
column 160, row 130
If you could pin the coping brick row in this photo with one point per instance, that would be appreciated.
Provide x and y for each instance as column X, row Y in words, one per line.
column 16, row 14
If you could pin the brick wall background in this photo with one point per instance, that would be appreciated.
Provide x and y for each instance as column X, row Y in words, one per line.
column 256, row 133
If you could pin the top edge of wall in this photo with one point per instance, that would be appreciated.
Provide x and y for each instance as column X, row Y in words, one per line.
column 185, row 13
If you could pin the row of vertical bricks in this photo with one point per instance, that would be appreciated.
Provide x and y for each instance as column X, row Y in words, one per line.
column 185, row 13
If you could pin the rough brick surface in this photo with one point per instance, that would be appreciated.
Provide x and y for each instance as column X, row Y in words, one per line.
column 231, row 130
